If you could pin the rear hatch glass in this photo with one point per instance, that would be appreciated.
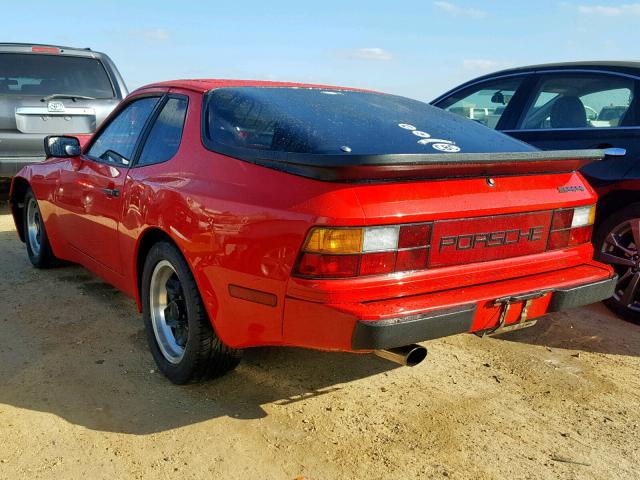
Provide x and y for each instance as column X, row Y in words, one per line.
column 42, row 75
column 331, row 121
column 346, row 135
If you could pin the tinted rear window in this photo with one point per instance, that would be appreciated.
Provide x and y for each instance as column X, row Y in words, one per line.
column 37, row 74
column 317, row 121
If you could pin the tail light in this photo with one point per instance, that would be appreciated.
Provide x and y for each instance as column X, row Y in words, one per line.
column 571, row 227
column 353, row 252
column 345, row 252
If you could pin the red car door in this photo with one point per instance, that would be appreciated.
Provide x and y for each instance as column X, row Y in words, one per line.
column 92, row 186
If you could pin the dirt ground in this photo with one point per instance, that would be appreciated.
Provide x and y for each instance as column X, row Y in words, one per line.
column 80, row 397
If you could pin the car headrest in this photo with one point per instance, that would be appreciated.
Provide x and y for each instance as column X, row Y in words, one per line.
column 568, row 112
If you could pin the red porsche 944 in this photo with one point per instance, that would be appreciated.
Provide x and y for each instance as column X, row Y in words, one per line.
column 241, row 213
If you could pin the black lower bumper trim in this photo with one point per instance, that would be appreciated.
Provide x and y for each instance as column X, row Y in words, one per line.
column 396, row 332
column 582, row 295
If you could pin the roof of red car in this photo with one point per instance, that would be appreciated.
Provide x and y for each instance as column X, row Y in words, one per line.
column 204, row 85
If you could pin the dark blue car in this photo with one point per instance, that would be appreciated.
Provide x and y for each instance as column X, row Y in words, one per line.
column 574, row 106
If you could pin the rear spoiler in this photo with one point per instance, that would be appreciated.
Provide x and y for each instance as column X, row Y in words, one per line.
column 376, row 168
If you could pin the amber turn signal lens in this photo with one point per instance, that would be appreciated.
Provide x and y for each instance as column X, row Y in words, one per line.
column 334, row 240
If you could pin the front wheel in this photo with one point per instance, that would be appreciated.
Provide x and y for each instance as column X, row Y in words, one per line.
column 180, row 335
column 617, row 243
column 37, row 242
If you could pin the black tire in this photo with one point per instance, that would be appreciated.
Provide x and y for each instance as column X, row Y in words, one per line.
column 605, row 251
column 38, row 247
column 204, row 355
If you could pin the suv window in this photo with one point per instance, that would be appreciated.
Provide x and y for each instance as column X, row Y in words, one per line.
column 164, row 139
column 116, row 143
column 484, row 103
column 580, row 101
column 41, row 75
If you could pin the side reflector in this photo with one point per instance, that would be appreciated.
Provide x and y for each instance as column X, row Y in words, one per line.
column 251, row 295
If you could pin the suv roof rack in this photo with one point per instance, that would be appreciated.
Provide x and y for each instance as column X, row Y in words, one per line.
column 42, row 45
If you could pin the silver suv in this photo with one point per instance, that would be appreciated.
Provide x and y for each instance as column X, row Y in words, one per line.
column 45, row 90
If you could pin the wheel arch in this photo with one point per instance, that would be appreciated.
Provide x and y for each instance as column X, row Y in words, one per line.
column 614, row 201
column 146, row 241
column 19, row 188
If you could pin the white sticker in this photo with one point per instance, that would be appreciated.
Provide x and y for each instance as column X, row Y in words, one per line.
column 421, row 134
column 406, row 126
column 427, row 141
column 446, row 147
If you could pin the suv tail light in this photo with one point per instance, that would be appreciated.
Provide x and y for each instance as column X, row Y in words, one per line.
column 571, row 227
column 352, row 252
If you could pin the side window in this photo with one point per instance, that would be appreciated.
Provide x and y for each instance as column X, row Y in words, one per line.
column 165, row 135
column 580, row 101
column 485, row 103
column 117, row 141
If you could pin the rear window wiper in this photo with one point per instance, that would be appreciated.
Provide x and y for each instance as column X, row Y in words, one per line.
column 64, row 95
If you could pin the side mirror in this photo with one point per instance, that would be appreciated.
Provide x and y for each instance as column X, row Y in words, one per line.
column 61, row 146
column 615, row 152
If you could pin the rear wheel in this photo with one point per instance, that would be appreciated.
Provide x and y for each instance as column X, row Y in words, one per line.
column 37, row 242
column 617, row 242
column 181, row 338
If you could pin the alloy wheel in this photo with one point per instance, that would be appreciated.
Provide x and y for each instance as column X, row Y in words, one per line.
column 168, row 312
column 620, row 249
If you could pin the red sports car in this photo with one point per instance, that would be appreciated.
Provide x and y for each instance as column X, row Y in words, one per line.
column 242, row 213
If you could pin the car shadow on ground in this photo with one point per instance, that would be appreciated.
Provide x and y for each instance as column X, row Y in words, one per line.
column 590, row 329
column 75, row 347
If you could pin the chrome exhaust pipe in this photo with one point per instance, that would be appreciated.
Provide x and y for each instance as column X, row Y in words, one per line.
column 408, row 356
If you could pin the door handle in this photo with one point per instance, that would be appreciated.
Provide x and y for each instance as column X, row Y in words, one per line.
column 111, row 192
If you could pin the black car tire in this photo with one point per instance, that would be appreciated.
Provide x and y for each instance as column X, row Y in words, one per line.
column 203, row 355
column 38, row 246
column 613, row 225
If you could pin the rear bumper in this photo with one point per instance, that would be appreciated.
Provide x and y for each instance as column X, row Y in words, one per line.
column 394, row 322
column 9, row 166
column 417, row 328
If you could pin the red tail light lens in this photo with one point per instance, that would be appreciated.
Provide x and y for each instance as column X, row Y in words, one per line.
column 350, row 252
column 412, row 236
column 559, row 239
column 377, row 263
column 562, row 219
column 571, row 227
column 580, row 235
column 328, row 266
column 415, row 259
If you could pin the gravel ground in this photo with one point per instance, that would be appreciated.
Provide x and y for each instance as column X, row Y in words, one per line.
column 80, row 397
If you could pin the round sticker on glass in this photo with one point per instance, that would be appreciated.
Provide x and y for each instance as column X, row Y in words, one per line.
column 446, row 147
